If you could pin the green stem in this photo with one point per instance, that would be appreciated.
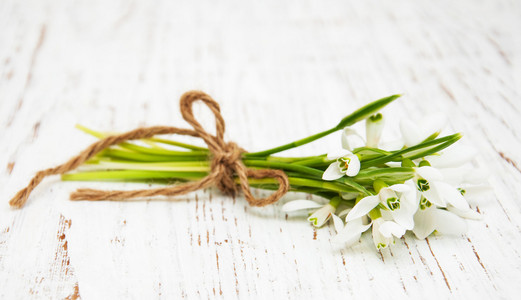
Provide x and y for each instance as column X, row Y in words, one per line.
column 441, row 143
column 123, row 175
column 178, row 144
column 102, row 135
column 358, row 115
column 160, row 151
column 283, row 166
column 189, row 166
column 147, row 157
column 179, row 169
column 143, row 175
column 313, row 161
column 305, row 170
column 294, row 144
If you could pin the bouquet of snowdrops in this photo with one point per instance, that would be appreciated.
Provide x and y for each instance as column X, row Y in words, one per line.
column 414, row 184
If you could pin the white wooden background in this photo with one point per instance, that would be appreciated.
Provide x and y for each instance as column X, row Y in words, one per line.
column 281, row 71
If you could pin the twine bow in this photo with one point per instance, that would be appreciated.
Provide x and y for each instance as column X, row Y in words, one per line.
column 225, row 162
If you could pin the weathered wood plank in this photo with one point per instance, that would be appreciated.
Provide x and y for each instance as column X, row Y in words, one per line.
column 280, row 71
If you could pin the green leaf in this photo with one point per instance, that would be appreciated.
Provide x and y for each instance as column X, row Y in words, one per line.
column 366, row 111
column 417, row 151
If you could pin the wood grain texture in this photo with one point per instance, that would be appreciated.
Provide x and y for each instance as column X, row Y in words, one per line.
column 281, row 71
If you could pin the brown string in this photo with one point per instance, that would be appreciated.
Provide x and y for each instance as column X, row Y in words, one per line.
column 225, row 162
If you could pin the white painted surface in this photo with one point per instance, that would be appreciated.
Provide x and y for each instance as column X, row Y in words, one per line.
column 280, row 71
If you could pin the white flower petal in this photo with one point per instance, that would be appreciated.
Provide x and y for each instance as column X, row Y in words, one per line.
column 467, row 214
column 404, row 217
column 455, row 176
column 451, row 195
column 424, row 223
column 351, row 139
column 400, row 188
column 354, row 166
column 431, row 124
column 410, row 199
column 416, row 132
column 464, row 175
column 453, row 157
column 385, row 194
column 363, row 207
column 321, row 216
column 337, row 154
column 351, row 233
column 412, row 184
column 389, row 228
column 410, row 133
column 391, row 145
column 432, row 195
column 373, row 131
column 429, row 173
column 448, row 223
column 386, row 214
column 380, row 241
column 337, row 222
column 476, row 195
column 332, row 172
column 299, row 205
column 344, row 212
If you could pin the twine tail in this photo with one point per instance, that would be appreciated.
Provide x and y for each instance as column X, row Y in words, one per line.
column 21, row 197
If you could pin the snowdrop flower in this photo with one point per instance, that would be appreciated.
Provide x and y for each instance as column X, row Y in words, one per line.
column 320, row 216
column 351, row 139
column 346, row 163
column 414, row 133
column 400, row 205
column 453, row 157
column 471, row 182
column 402, row 202
column 429, row 182
column 476, row 194
column 399, row 200
column 464, row 176
column 384, row 232
column 466, row 214
column 435, row 195
column 373, row 130
column 350, row 233
column 429, row 219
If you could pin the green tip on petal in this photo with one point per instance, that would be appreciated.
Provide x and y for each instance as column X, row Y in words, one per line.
column 375, row 118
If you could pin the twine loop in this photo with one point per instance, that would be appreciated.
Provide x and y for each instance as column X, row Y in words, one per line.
column 226, row 162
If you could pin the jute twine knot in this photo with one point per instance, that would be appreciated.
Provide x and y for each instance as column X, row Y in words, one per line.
column 226, row 162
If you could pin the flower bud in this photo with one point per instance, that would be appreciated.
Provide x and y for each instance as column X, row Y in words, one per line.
column 373, row 130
